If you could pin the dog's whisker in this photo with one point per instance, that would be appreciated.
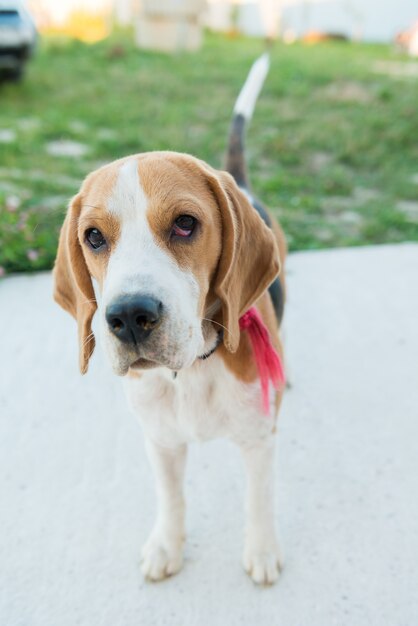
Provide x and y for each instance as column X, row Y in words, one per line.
column 213, row 322
column 87, row 339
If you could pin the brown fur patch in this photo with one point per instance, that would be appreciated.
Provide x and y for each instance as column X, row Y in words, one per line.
column 95, row 193
column 242, row 362
column 73, row 288
column 76, row 262
column 109, row 226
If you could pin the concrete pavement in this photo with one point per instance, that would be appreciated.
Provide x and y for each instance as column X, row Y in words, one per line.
column 77, row 497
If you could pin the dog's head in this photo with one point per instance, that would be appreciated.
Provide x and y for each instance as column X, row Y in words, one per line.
column 173, row 244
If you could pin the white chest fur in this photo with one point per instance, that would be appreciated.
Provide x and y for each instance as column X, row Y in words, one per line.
column 203, row 402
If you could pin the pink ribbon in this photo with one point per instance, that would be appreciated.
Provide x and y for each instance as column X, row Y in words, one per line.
column 268, row 361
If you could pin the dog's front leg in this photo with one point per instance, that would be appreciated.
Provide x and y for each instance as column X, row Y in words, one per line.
column 261, row 552
column 162, row 554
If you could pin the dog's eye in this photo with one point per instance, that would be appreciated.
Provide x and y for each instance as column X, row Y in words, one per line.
column 95, row 238
column 184, row 226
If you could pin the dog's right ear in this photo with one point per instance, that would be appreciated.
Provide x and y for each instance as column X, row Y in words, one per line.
column 249, row 260
column 73, row 288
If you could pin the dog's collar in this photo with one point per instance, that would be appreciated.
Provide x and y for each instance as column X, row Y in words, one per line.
column 206, row 355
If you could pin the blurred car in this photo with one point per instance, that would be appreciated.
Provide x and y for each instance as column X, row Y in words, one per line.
column 17, row 38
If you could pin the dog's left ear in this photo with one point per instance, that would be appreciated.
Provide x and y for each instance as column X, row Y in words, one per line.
column 73, row 288
column 249, row 260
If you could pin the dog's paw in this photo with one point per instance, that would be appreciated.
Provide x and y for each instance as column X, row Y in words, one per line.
column 262, row 563
column 161, row 557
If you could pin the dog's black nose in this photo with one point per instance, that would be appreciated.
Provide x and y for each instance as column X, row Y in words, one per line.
column 132, row 318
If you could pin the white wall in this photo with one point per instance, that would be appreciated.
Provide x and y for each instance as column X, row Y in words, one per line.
column 370, row 20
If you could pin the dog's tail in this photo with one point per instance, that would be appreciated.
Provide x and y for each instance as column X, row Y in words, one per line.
column 243, row 111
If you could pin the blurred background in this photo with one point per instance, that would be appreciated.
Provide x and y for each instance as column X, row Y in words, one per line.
column 332, row 148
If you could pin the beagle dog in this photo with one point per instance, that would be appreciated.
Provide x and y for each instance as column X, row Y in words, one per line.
column 179, row 252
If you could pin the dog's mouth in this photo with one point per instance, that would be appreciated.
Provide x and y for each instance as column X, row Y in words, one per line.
column 173, row 364
column 162, row 352
column 143, row 364
column 168, row 356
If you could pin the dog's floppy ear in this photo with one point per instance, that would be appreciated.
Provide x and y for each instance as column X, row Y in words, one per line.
column 249, row 259
column 73, row 289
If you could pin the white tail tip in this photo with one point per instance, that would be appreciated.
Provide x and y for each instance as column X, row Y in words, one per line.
column 249, row 93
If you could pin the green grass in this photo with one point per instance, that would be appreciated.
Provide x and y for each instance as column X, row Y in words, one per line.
column 332, row 148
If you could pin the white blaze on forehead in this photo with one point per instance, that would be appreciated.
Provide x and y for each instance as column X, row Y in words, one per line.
column 136, row 256
column 128, row 199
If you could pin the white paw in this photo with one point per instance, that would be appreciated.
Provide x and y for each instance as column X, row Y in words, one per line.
column 262, row 563
column 161, row 557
